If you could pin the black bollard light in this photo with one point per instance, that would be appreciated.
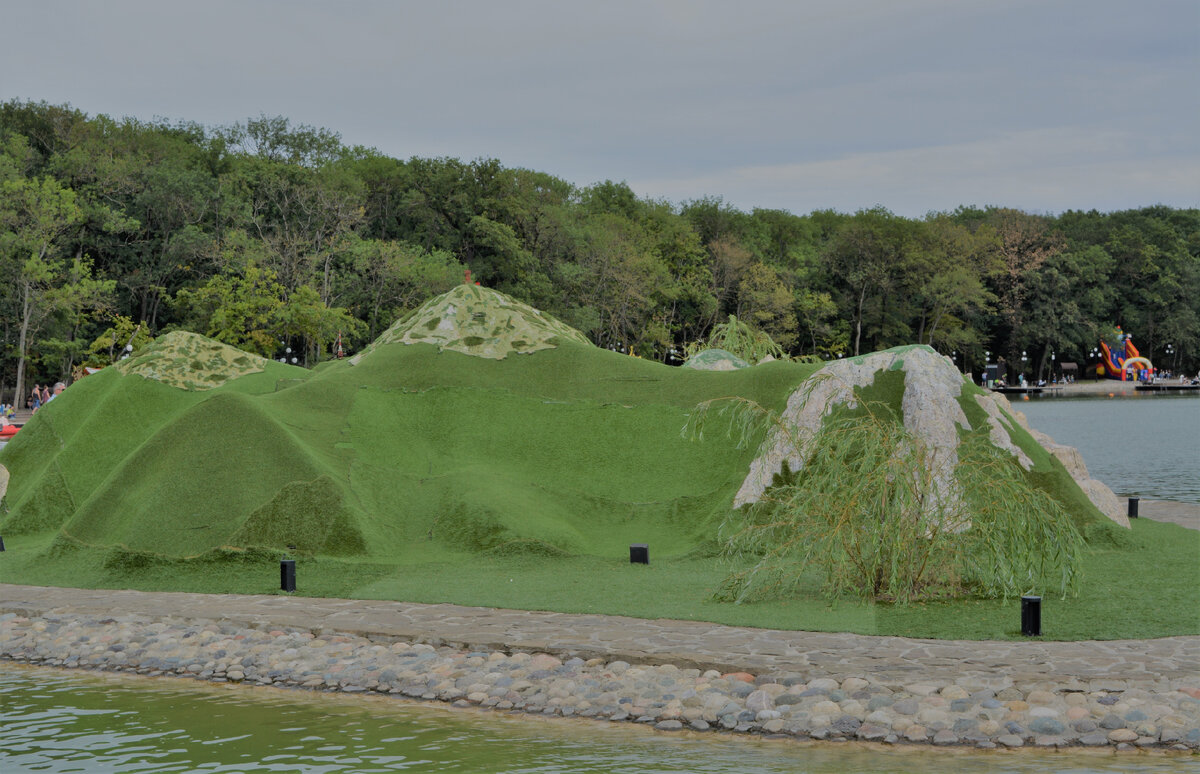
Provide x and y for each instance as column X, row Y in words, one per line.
column 287, row 574
column 1133, row 507
column 1031, row 616
column 639, row 553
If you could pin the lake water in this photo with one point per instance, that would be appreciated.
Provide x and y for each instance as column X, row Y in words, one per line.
column 55, row 720
column 1139, row 444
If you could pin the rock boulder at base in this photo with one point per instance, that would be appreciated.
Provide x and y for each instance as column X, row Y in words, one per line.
column 1101, row 496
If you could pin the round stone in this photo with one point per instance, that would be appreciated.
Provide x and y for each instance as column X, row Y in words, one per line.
column 1122, row 735
column 1047, row 726
column 852, row 685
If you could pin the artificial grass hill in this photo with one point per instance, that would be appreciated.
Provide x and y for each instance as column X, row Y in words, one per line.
column 478, row 452
column 535, row 441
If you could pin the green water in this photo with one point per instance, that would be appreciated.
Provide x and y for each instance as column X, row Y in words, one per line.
column 56, row 720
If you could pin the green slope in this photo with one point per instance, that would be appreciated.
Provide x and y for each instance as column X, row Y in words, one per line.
column 567, row 450
column 414, row 471
column 236, row 459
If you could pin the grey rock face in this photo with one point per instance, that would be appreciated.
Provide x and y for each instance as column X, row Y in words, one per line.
column 931, row 412
column 932, row 387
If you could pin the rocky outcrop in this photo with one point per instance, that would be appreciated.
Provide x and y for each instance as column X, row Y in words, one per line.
column 1000, row 419
column 1103, row 498
column 932, row 413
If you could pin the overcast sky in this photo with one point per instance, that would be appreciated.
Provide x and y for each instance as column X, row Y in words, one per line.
column 915, row 105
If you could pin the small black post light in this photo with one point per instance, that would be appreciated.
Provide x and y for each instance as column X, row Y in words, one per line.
column 1, row 543
column 639, row 553
column 1031, row 616
column 1133, row 507
column 287, row 574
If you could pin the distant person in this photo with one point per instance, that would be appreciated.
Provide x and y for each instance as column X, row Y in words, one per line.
column 35, row 398
column 58, row 387
column 45, row 394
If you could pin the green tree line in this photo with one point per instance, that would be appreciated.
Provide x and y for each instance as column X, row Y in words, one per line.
column 280, row 239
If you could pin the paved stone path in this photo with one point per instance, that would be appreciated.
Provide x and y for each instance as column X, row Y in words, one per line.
column 1183, row 514
column 1144, row 663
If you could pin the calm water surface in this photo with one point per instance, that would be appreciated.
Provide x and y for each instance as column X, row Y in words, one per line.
column 1143, row 445
column 54, row 720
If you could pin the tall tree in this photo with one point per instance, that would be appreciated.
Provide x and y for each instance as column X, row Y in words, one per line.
column 388, row 278
column 37, row 216
column 618, row 280
column 1026, row 242
column 867, row 254
column 79, row 299
column 947, row 281
column 765, row 301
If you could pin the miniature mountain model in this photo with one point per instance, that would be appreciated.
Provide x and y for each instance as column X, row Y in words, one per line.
column 476, row 424
column 477, row 321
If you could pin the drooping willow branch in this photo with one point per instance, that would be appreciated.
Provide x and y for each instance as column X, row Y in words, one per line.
column 865, row 515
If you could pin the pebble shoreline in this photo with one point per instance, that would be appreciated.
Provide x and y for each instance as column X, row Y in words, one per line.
column 972, row 711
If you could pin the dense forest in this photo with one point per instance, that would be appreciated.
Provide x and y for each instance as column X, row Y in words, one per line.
column 281, row 240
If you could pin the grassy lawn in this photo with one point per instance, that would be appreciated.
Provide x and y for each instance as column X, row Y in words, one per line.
column 1150, row 588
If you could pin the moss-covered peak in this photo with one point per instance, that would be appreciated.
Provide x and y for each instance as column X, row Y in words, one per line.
column 478, row 321
column 190, row 361
column 715, row 360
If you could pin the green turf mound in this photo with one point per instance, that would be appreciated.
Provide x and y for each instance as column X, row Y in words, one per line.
column 413, row 453
column 191, row 362
column 479, row 321
column 431, row 448
column 715, row 360
column 189, row 488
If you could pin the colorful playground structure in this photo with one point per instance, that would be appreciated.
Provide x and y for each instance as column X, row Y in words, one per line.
column 1119, row 363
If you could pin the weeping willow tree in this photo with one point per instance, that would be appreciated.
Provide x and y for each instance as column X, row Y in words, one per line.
column 737, row 338
column 865, row 517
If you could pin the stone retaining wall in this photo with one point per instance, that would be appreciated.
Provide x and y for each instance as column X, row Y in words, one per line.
column 948, row 711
